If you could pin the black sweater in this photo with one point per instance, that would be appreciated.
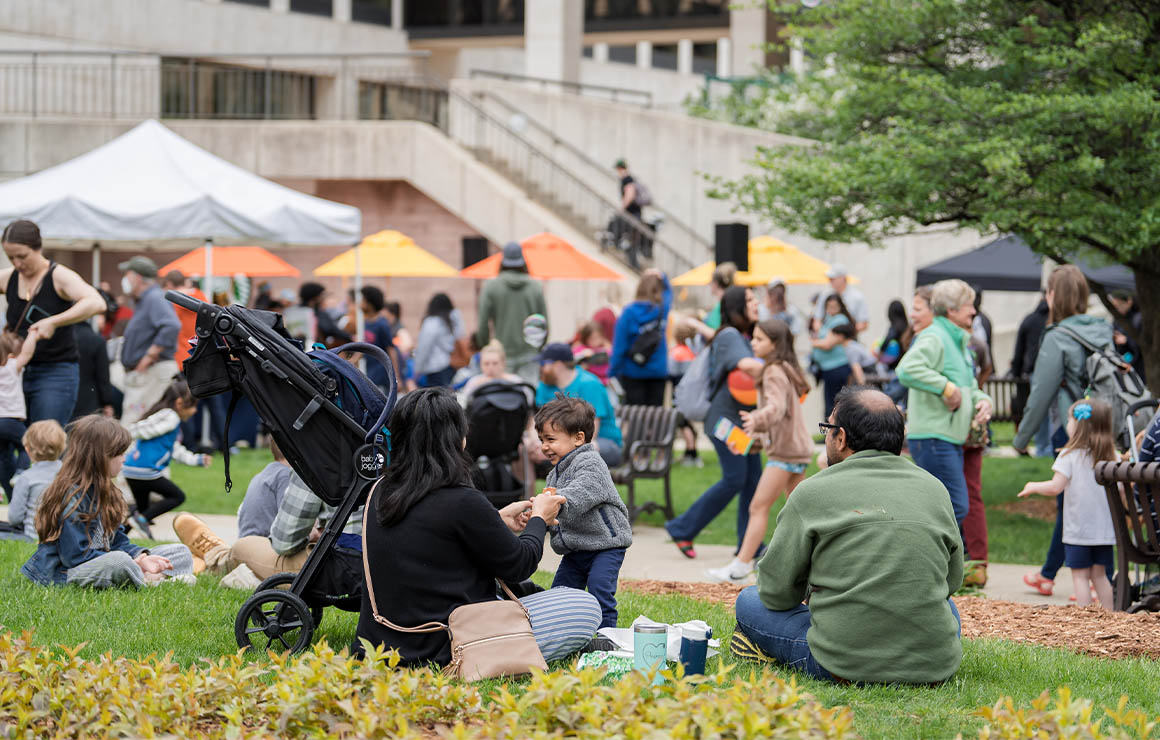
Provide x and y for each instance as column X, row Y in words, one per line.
column 447, row 551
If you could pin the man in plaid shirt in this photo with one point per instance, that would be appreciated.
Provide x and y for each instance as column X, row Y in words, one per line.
column 289, row 544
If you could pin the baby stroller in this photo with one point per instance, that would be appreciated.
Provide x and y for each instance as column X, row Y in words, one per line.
column 497, row 415
column 330, row 422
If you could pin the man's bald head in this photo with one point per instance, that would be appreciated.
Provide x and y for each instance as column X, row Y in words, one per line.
column 870, row 420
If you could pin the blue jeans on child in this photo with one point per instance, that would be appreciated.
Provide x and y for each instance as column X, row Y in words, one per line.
column 739, row 474
column 598, row 571
column 782, row 635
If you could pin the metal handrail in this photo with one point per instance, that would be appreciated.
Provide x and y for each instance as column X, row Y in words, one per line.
column 642, row 229
column 671, row 219
column 577, row 87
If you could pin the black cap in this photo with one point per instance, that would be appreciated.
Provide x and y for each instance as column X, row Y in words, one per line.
column 556, row 352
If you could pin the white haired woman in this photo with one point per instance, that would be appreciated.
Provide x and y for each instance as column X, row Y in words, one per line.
column 943, row 395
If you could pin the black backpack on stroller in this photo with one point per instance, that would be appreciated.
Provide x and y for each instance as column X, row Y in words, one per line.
column 497, row 415
column 329, row 421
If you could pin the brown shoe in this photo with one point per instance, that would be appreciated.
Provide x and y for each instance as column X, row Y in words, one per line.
column 196, row 535
column 976, row 576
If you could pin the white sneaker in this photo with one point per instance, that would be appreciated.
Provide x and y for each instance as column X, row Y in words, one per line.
column 185, row 578
column 735, row 572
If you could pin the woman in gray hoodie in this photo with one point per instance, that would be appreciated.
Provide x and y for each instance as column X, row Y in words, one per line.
column 1058, row 381
column 440, row 329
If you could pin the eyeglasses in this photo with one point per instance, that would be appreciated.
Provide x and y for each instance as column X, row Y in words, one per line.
column 826, row 427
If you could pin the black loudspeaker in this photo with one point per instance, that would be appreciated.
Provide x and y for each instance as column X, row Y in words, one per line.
column 732, row 245
column 474, row 250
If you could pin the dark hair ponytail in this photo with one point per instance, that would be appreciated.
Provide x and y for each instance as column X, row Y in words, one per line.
column 23, row 232
column 734, row 302
column 427, row 432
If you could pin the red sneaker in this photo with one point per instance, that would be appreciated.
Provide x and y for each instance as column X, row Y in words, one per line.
column 1037, row 582
column 686, row 548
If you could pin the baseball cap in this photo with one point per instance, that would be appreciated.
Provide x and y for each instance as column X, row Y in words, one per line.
column 141, row 265
column 556, row 352
column 837, row 270
column 620, row 164
column 775, row 281
column 513, row 256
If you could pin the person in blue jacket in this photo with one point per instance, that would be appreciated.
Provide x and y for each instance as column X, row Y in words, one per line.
column 639, row 351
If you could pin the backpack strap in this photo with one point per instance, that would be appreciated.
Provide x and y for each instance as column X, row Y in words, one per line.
column 1091, row 348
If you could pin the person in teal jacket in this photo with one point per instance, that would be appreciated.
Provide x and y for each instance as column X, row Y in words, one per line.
column 943, row 397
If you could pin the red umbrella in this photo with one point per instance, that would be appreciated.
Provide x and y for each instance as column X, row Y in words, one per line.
column 549, row 257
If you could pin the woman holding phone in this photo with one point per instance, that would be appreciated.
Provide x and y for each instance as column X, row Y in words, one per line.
column 50, row 298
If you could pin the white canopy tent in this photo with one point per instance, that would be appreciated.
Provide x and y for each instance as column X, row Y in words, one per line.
column 151, row 188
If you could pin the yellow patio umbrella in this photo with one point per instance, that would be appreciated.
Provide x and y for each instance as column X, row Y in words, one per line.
column 388, row 253
column 768, row 258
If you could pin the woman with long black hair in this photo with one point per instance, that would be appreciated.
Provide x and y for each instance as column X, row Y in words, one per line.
column 442, row 326
column 433, row 543
column 732, row 391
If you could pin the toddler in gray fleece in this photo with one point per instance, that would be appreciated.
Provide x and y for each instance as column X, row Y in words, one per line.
column 593, row 529
column 44, row 441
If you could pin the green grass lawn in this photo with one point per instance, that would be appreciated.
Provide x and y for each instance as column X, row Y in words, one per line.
column 197, row 622
column 1014, row 538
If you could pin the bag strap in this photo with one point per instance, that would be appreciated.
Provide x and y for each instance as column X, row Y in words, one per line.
column 235, row 396
column 32, row 294
column 1092, row 349
column 423, row 628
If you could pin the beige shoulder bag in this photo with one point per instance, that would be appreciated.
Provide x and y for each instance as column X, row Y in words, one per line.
column 488, row 640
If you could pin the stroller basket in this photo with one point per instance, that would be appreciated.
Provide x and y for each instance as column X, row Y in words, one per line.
column 250, row 353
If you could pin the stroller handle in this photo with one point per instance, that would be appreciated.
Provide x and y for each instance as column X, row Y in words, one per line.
column 379, row 356
column 183, row 300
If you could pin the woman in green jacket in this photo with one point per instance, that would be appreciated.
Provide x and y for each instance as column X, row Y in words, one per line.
column 943, row 394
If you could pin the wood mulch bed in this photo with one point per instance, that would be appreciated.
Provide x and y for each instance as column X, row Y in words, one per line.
column 1035, row 507
column 1088, row 630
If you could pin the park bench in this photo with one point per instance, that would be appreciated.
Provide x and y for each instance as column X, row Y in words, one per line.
column 1001, row 390
column 648, row 433
column 1133, row 491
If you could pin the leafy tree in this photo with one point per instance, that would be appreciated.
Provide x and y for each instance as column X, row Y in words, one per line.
column 1038, row 117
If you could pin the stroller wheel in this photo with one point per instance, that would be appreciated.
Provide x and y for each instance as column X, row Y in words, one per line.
column 282, row 581
column 274, row 620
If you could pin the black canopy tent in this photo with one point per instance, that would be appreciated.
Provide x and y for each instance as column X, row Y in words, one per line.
column 1007, row 263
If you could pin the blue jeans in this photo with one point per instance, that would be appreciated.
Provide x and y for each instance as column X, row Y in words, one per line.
column 599, row 572
column 439, row 378
column 1043, row 446
column 782, row 635
column 50, row 390
column 833, row 381
column 739, row 474
column 944, row 460
column 11, row 448
column 1055, row 554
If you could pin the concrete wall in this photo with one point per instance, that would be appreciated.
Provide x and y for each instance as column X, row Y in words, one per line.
column 326, row 158
column 672, row 153
column 182, row 26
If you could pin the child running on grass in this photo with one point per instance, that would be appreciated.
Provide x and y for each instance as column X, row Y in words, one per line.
column 80, row 515
column 44, row 441
column 155, row 444
column 1088, row 532
column 593, row 529
column 779, row 426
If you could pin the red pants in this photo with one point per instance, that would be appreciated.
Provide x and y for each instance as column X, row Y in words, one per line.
column 975, row 525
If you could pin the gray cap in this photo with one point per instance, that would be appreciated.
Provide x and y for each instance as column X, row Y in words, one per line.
column 513, row 256
column 775, row 281
column 837, row 270
column 141, row 265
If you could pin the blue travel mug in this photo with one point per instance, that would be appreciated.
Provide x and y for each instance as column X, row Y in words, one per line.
column 694, row 647
column 650, row 644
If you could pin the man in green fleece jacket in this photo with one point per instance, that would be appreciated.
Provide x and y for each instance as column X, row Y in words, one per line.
column 944, row 398
column 871, row 543
column 505, row 303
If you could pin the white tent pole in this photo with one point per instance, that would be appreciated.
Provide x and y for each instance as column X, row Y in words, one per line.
column 206, row 441
column 96, row 264
column 359, row 319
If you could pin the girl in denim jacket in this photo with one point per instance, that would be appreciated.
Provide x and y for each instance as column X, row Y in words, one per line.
column 79, row 520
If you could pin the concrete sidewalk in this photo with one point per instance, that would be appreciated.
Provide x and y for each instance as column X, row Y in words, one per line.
column 653, row 556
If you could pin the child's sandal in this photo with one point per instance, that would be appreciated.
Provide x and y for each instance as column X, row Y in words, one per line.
column 686, row 548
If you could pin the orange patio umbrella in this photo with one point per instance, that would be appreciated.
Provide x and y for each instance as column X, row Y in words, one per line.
column 549, row 257
column 230, row 261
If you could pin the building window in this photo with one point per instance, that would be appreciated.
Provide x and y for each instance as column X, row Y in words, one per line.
column 664, row 56
column 371, row 11
column 313, row 7
column 705, row 59
column 378, row 101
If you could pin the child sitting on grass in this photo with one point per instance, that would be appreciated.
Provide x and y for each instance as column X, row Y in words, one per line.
column 593, row 529
column 1088, row 532
column 155, row 444
column 80, row 515
column 44, row 441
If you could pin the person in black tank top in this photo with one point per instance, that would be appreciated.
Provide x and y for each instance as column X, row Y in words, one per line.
column 52, row 298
